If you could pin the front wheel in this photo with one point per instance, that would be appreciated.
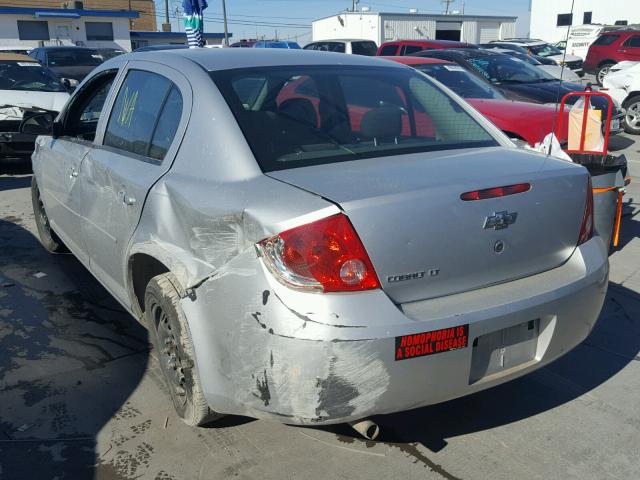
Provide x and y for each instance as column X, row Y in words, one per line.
column 171, row 339
column 48, row 237
column 632, row 117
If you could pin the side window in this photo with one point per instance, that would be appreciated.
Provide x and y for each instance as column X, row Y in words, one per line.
column 388, row 50
column 167, row 125
column 633, row 42
column 85, row 112
column 136, row 111
column 409, row 49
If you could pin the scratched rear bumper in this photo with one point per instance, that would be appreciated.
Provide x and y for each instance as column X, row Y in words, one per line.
column 265, row 351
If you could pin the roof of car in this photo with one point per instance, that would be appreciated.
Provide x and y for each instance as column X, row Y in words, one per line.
column 16, row 57
column 342, row 40
column 462, row 52
column 212, row 59
column 408, row 60
column 66, row 47
column 431, row 42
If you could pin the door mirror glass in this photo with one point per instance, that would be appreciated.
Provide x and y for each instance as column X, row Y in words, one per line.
column 39, row 124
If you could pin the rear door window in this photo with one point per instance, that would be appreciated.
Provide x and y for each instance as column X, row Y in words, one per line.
column 364, row 48
column 167, row 125
column 136, row 113
column 388, row 50
column 633, row 41
column 409, row 49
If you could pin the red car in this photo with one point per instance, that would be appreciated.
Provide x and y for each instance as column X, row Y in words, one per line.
column 409, row 47
column 530, row 122
column 611, row 48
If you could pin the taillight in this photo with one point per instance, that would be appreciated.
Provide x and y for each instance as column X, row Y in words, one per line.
column 586, row 229
column 326, row 255
column 495, row 192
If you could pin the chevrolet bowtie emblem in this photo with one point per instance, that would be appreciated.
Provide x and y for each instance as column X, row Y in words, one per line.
column 500, row 220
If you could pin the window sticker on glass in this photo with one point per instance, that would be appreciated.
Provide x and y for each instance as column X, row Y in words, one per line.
column 454, row 68
column 29, row 64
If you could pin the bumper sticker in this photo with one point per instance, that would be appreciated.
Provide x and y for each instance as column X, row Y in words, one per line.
column 429, row 343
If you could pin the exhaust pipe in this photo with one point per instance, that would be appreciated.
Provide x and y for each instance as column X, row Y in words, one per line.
column 366, row 428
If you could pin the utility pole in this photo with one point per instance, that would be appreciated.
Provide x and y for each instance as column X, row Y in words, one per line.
column 167, row 25
column 446, row 3
column 226, row 31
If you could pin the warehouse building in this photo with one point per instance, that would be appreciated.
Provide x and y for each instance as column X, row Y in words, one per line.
column 383, row 27
column 550, row 19
column 29, row 27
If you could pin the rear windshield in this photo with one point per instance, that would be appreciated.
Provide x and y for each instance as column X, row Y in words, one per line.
column 460, row 81
column 312, row 115
column 545, row 50
column 29, row 76
column 505, row 69
column 364, row 48
column 72, row 58
column 606, row 39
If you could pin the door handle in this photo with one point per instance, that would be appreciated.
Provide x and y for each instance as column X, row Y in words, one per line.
column 74, row 172
column 129, row 200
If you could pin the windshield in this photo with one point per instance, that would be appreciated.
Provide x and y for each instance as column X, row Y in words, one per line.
column 545, row 50
column 310, row 115
column 28, row 76
column 500, row 69
column 72, row 58
column 460, row 81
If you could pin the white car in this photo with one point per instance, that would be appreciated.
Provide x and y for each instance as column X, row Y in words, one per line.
column 544, row 49
column 623, row 84
column 26, row 87
column 350, row 46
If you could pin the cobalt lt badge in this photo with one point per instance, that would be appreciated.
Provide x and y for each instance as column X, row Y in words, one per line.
column 500, row 220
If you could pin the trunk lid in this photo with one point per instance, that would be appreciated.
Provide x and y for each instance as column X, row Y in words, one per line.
column 424, row 241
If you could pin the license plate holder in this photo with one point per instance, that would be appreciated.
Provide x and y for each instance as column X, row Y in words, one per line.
column 503, row 350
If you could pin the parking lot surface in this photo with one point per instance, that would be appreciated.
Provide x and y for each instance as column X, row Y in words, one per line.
column 81, row 395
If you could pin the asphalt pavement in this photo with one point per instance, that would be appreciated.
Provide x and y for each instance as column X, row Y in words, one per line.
column 81, row 396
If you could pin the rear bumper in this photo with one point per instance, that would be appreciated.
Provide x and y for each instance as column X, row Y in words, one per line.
column 304, row 358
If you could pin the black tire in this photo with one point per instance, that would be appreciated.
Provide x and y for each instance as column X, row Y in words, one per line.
column 632, row 105
column 48, row 237
column 602, row 71
column 171, row 338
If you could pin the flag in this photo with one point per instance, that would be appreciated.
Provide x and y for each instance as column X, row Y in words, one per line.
column 193, row 21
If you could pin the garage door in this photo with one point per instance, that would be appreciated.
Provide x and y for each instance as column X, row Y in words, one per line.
column 489, row 31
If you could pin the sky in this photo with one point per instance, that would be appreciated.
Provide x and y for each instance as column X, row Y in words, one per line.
column 292, row 18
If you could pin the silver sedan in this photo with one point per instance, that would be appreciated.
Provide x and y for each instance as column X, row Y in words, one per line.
column 313, row 237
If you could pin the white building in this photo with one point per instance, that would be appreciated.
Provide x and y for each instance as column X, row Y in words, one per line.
column 384, row 27
column 34, row 27
column 550, row 19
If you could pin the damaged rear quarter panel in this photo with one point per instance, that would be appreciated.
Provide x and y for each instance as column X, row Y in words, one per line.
column 259, row 356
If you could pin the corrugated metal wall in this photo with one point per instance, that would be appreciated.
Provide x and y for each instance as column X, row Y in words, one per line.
column 508, row 30
column 404, row 29
column 469, row 32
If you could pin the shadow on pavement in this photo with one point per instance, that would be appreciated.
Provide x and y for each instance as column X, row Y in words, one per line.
column 69, row 359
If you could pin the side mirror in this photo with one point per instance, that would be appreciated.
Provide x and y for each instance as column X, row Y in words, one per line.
column 39, row 124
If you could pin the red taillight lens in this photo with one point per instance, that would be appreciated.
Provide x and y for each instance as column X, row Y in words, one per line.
column 326, row 255
column 495, row 192
column 586, row 229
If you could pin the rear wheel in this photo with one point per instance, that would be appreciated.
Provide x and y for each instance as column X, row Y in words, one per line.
column 632, row 117
column 171, row 339
column 602, row 71
column 48, row 237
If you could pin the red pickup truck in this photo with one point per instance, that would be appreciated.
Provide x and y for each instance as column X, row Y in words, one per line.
column 409, row 47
